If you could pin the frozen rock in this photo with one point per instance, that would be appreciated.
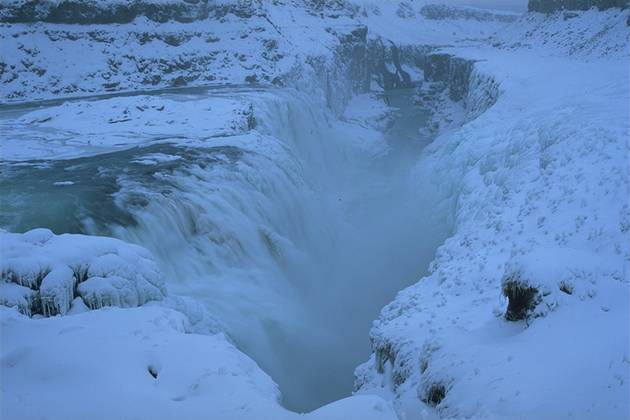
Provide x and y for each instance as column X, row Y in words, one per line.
column 40, row 272
column 98, row 292
column 24, row 299
column 57, row 291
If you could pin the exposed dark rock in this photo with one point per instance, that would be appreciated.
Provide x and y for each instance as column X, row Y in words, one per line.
column 251, row 118
column 522, row 299
column 444, row 12
column 95, row 12
column 331, row 8
column 566, row 287
column 383, row 355
column 244, row 9
column 453, row 71
column 551, row 6
column 353, row 50
column 381, row 58
column 434, row 394
column 110, row 87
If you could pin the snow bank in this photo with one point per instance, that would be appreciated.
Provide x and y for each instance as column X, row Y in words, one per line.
column 589, row 35
column 42, row 273
column 525, row 312
column 150, row 360
column 140, row 363
column 90, row 127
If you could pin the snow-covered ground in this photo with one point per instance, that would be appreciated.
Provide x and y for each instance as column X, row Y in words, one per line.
column 140, row 363
column 541, row 187
column 278, row 221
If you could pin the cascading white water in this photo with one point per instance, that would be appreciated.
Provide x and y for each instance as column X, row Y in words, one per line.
column 293, row 235
column 296, row 243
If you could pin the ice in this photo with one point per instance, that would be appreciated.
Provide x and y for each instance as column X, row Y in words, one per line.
column 23, row 298
column 42, row 270
column 146, row 356
column 529, row 295
column 98, row 292
column 57, row 291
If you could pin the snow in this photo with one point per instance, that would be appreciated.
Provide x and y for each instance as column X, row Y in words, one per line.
column 540, row 186
column 524, row 313
column 14, row 295
column 115, row 350
column 57, row 291
column 50, row 266
column 269, row 47
column 128, row 355
column 84, row 127
column 367, row 108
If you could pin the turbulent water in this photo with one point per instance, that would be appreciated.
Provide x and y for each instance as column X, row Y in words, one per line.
column 294, row 244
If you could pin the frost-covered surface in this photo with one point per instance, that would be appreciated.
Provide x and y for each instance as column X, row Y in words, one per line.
column 151, row 360
column 80, row 128
column 239, row 42
column 45, row 272
column 525, row 313
column 140, row 363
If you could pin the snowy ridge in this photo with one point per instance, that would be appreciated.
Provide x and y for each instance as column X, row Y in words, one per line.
column 111, row 124
column 550, row 6
column 539, row 252
column 591, row 34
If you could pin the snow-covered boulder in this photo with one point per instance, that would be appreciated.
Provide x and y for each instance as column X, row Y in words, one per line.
column 42, row 273
column 26, row 300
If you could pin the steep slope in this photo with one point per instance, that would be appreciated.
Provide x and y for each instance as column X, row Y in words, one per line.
column 525, row 314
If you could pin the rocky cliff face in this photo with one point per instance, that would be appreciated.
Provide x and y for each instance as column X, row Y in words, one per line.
column 444, row 12
column 550, row 6
column 453, row 71
column 102, row 12
column 339, row 74
column 385, row 64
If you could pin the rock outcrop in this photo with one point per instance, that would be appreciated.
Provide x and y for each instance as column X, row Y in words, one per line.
column 551, row 6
